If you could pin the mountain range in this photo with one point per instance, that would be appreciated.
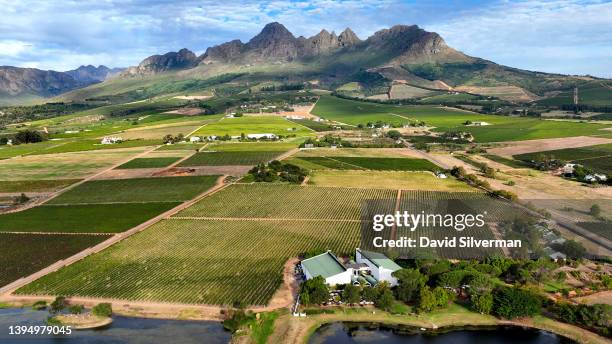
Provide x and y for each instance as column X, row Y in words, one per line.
column 20, row 83
column 404, row 54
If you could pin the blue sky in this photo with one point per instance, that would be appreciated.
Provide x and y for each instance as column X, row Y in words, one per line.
column 565, row 36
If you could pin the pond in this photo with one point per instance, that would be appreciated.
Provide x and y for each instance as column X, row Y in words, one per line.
column 349, row 333
column 122, row 330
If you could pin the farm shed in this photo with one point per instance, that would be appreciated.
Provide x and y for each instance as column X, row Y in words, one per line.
column 327, row 266
column 380, row 266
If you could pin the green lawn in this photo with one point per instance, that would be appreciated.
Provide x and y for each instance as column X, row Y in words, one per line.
column 253, row 125
column 501, row 128
column 163, row 189
column 230, row 158
column 150, row 162
column 82, row 218
column 46, row 185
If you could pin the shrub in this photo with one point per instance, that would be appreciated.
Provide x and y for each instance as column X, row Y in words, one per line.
column 76, row 309
column 102, row 310
column 514, row 302
column 57, row 305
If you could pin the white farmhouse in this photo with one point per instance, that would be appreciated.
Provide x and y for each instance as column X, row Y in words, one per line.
column 109, row 140
column 380, row 266
column 195, row 139
column 327, row 266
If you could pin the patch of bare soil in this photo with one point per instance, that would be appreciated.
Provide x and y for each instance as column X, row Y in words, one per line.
column 175, row 172
column 188, row 111
column 604, row 297
column 531, row 146
column 303, row 111
column 230, row 170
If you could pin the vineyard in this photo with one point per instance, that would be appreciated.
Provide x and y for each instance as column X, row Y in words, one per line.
column 364, row 163
column 285, row 202
column 230, row 158
column 82, row 218
column 149, row 162
column 24, row 254
column 597, row 157
column 230, row 246
column 164, row 189
column 198, row 261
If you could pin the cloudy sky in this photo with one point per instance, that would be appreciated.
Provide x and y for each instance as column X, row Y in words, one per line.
column 565, row 36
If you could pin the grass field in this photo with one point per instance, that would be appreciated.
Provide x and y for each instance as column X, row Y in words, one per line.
column 386, row 180
column 367, row 163
column 164, row 189
column 230, row 158
column 63, row 166
column 24, row 254
column 35, row 185
column 82, row 218
column 149, row 162
column 597, row 157
column 253, row 125
column 198, row 261
column 276, row 146
column 502, row 128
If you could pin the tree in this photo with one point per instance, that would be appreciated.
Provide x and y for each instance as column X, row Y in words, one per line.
column 410, row 281
column 514, row 302
column 314, row 291
column 394, row 134
column 102, row 310
column 29, row 136
column 479, row 283
column 482, row 303
column 443, row 297
column 369, row 294
column 427, row 300
column 572, row 249
column 384, row 300
column 595, row 210
column 57, row 305
column 351, row 294
column 76, row 309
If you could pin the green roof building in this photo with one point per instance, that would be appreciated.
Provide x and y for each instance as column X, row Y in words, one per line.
column 327, row 266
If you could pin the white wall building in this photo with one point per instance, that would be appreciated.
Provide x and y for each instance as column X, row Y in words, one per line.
column 380, row 266
column 327, row 266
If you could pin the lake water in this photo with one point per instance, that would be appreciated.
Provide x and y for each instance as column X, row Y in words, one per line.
column 350, row 333
column 122, row 330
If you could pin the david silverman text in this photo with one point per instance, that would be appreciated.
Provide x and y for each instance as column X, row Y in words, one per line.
column 423, row 241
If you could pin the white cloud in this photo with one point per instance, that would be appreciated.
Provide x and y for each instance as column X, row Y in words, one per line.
column 12, row 48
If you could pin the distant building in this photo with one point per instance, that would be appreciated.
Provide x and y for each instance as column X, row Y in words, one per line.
column 596, row 177
column 262, row 136
column 327, row 266
column 195, row 139
column 109, row 140
column 558, row 256
column 380, row 265
column 294, row 117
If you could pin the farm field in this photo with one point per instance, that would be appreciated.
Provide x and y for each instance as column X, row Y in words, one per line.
column 275, row 146
column 600, row 228
column 320, row 126
column 75, row 165
column 253, row 125
column 285, row 202
column 89, row 145
column 230, row 158
column 501, row 128
column 149, row 162
column 357, row 152
column 163, row 189
column 597, row 157
column 505, row 161
column 82, row 218
column 198, row 261
column 181, row 147
column 46, row 185
column 387, row 180
column 24, row 254
column 367, row 163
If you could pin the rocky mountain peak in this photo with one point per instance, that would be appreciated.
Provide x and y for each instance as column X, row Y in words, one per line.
column 274, row 42
column 348, row 38
column 184, row 58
